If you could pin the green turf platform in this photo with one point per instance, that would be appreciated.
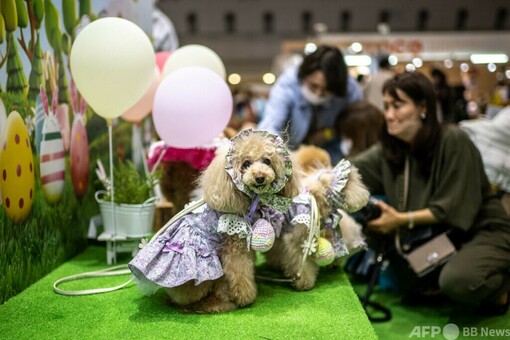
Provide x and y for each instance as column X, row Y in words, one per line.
column 330, row 311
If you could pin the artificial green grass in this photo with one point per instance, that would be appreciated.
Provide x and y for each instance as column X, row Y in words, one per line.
column 408, row 320
column 330, row 311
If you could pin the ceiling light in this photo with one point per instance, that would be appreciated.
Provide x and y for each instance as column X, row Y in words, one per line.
column 356, row 47
column 358, row 60
column 268, row 78
column 310, row 48
column 448, row 63
column 499, row 58
column 410, row 68
column 417, row 62
column 234, row 78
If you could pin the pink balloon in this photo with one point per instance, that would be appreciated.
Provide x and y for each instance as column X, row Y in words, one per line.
column 144, row 106
column 192, row 106
column 161, row 58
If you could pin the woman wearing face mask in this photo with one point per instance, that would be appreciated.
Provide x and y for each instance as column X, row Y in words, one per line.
column 445, row 188
column 304, row 102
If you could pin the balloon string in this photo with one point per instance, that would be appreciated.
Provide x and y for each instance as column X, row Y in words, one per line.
column 110, row 142
column 160, row 158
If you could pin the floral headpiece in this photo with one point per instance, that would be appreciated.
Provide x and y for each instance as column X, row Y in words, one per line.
column 341, row 172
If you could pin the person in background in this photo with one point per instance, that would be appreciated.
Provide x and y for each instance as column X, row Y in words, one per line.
column 373, row 89
column 447, row 190
column 359, row 127
column 305, row 101
column 443, row 94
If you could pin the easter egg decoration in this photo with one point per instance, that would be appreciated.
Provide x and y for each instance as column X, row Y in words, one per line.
column 39, row 121
column 3, row 118
column 62, row 115
column 325, row 253
column 52, row 161
column 262, row 236
column 79, row 152
column 16, row 169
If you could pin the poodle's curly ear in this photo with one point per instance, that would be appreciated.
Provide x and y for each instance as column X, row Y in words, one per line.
column 356, row 193
column 293, row 186
column 220, row 192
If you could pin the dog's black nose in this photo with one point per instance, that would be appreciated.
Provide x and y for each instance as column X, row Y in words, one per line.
column 260, row 180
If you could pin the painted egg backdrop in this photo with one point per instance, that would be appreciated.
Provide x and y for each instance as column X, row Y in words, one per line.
column 39, row 121
column 79, row 156
column 17, row 169
column 52, row 161
column 63, row 121
column 3, row 118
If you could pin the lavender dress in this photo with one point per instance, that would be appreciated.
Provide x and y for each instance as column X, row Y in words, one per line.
column 299, row 213
column 185, row 251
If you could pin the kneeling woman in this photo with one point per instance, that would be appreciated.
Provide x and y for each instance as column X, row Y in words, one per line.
column 445, row 188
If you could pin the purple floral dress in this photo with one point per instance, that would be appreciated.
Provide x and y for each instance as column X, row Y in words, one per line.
column 186, row 250
column 299, row 213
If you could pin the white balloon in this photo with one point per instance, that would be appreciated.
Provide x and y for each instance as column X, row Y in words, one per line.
column 112, row 63
column 194, row 55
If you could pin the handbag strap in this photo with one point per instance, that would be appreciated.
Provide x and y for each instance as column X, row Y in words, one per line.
column 403, row 205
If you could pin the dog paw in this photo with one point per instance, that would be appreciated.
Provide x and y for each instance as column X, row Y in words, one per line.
column 305, row 282
column 211, row 304
column 244, row 295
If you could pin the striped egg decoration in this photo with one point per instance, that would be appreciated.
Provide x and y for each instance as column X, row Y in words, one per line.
column 262, row 236
column 52, row 160
column 62, row 115
column 39, row 121
column 325, row 254
column 79, row 156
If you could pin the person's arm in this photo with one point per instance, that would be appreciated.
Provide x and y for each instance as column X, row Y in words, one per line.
column 278, row 106
column 354, row 92
column 392, row 219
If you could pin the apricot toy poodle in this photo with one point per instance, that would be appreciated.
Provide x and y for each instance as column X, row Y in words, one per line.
column 205, row 258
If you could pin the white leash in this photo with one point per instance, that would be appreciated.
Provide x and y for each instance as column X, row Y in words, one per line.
column 313, row 233
column 116, row 270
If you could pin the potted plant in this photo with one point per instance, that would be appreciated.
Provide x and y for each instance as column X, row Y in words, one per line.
column 132, row 214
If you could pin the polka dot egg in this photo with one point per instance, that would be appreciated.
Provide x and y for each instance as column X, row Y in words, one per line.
column 325, row 254
column 262, row 237
column 16, row 169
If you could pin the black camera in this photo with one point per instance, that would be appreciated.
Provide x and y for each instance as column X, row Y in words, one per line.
column 369, row 212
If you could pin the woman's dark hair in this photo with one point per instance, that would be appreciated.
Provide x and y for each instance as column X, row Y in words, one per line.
column 362, row 123
column 331, row 62
column 421, row 91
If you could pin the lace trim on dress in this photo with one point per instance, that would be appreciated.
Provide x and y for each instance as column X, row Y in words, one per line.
column 233, row 224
